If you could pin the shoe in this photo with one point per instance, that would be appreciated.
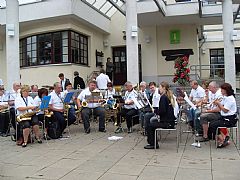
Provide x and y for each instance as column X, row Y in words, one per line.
column 130, row 130
column 87, row 131
column 24, row 144
column 39, row 141
column 102, row 130
column 46, row 137
column 220, row 146
column 119, row 130
column 203, row 139
column 151, row 146
column 225, row 142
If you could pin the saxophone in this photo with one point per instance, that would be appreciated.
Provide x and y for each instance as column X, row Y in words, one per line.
column 4, row 109
column 26, row 117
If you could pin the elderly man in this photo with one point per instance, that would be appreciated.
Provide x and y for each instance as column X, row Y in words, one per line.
column 129, row 109
column 57, row 106
column 212, row 113
column 93, row 107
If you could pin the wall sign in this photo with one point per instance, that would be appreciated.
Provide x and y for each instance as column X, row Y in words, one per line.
column 174, row 36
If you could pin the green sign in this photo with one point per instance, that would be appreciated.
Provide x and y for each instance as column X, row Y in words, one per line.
column 174, row 36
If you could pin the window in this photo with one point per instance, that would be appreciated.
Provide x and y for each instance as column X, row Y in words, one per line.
column 53, row 48
column 217, row 62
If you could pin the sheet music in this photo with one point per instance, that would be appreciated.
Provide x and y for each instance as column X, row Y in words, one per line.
column 188, row 101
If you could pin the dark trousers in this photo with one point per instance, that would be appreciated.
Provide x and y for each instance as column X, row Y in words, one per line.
column 4, row 122
column 152, row 125
column 128, row 114
column 59, row 116
column 109, row 75
column 13, row 117
column 98, row 111
column 227, row 121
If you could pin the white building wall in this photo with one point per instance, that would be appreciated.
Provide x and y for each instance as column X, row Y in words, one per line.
column 3, row 58
column 48, row 74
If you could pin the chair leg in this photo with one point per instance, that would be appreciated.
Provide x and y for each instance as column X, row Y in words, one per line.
column 155, row 140
column 216, row 143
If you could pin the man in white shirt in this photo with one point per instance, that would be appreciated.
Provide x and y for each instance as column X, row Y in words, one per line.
column 57, row 106
column 4, row 115
column 92, row 108
column 212, row 112
column 64, row 81
column 12, row 95
column 197, row 95
column 129, row 109
column 102, row 80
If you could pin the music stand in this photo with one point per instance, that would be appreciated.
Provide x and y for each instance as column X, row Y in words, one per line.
column 93, row 98
column 119, row 99
column 44, row 106
column 66, row 102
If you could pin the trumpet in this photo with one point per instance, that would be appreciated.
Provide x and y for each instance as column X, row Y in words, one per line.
column 4, row 108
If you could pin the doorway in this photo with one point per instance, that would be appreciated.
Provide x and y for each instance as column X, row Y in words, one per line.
column 120, row 62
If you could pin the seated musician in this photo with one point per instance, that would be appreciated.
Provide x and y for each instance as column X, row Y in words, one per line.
column 165, row 112
column 12, row 95
column 145, row 95
column 110, row 91
column 154, row 99
column 56, row 105
column 197, row 95
column 129, row 109
column 228, row 110
column 69, row 88
column 4, row 113
column 37, row 101
column 212, row 112
column 91, row 106
column 25, row 104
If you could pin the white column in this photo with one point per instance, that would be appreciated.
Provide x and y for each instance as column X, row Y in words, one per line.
column 132, row 41
column 229, row 51
column 12, row 42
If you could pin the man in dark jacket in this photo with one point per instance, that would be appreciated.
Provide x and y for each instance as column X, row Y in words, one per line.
column 78, row 81
column 63, row 81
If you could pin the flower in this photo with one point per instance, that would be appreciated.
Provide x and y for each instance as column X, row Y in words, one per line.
column 182, row 71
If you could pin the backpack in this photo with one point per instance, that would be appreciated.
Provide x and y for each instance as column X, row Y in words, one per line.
column 53, row 130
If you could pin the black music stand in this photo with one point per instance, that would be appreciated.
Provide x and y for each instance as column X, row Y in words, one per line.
column 66, row 102
column 43, row 107
column 119, row 99
column 93, row 98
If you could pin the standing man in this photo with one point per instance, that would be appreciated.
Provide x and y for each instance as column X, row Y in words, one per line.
column 63, row 81
column 78, row 81
column 109, row 68
column 102, row 80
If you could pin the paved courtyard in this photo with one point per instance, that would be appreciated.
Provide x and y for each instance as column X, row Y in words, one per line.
column 93, row 156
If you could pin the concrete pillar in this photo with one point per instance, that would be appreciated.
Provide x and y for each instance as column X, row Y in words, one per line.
column 132, row 41
column 12, row 43
column 229, row 51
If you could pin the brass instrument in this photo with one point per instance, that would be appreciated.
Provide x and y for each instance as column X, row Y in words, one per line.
column 48, row 113
column 84, row 104
column 4, row 108
column 26, row 117
column 66, row 109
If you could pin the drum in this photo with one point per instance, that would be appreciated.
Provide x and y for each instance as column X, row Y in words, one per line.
column 4, row 121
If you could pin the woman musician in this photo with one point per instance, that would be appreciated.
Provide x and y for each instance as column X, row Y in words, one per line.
column 37, row 101
column 228, row 110
column 165, row 111
column 25, row 104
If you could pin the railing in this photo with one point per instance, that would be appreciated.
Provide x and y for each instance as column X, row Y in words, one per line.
column 93, row 75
